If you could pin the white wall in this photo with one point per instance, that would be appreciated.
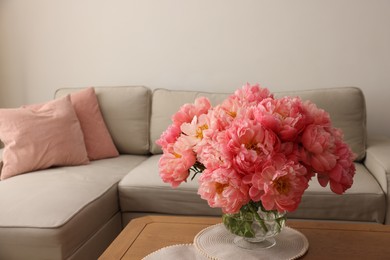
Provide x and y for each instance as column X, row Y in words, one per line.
column 196, row 44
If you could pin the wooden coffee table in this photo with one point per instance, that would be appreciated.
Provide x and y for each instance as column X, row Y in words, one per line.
column 327, row 240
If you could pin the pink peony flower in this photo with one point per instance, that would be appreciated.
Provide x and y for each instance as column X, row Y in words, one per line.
column 316, row 115
column 175, row 163
column 169, row 136
column 319, row 145
column 230, row 108
column 221, row 118
column 251, row 94
column 249, row 145
column 280, row 185
column 284, row 116
column 194, row 131
column 224, row 189
column 211, row 156
column 187, row 112
column 341, row 176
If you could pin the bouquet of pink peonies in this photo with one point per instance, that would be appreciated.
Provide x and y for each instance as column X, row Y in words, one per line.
column 254, row 148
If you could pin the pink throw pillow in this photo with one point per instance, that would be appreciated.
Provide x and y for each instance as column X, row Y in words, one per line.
column 97, row 138
column 40, row 136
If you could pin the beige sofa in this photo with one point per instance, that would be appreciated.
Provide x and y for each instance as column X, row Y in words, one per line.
column 75, row 212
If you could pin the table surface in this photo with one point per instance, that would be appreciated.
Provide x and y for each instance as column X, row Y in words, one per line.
column 327, row 240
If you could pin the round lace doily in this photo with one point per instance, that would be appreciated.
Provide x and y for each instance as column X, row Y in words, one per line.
column 182, row 252
column 215, row 242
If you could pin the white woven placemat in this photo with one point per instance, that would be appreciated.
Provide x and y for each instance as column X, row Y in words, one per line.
column 182, row 252
column 215, row 242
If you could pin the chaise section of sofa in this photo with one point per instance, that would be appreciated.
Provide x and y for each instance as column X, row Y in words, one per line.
column 73, row 212
column 65, row 212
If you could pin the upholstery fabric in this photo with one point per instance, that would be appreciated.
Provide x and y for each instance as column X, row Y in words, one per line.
column 125, row 111
column 345, row 105
column 378, row 163
column 40, row 136
column 97, row 138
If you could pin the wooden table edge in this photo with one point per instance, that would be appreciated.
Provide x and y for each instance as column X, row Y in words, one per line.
column 129, row 234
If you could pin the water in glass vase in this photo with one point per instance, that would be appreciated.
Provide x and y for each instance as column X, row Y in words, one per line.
column 254, row 226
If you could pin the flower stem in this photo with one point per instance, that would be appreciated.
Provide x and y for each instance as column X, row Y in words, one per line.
column 253, row 209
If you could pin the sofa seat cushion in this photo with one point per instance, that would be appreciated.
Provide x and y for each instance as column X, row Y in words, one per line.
column 364, row 201
column 55, row 211
column 142, row 190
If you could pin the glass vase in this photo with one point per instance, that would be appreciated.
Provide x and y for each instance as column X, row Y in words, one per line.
column 254, row 226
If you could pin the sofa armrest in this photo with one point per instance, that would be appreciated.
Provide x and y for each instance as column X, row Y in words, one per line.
column 377, row 161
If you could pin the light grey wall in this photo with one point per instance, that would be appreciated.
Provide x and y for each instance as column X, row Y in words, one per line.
column 215, row 45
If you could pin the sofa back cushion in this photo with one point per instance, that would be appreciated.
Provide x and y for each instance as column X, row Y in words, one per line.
column 346, row 106
column 126, row 112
